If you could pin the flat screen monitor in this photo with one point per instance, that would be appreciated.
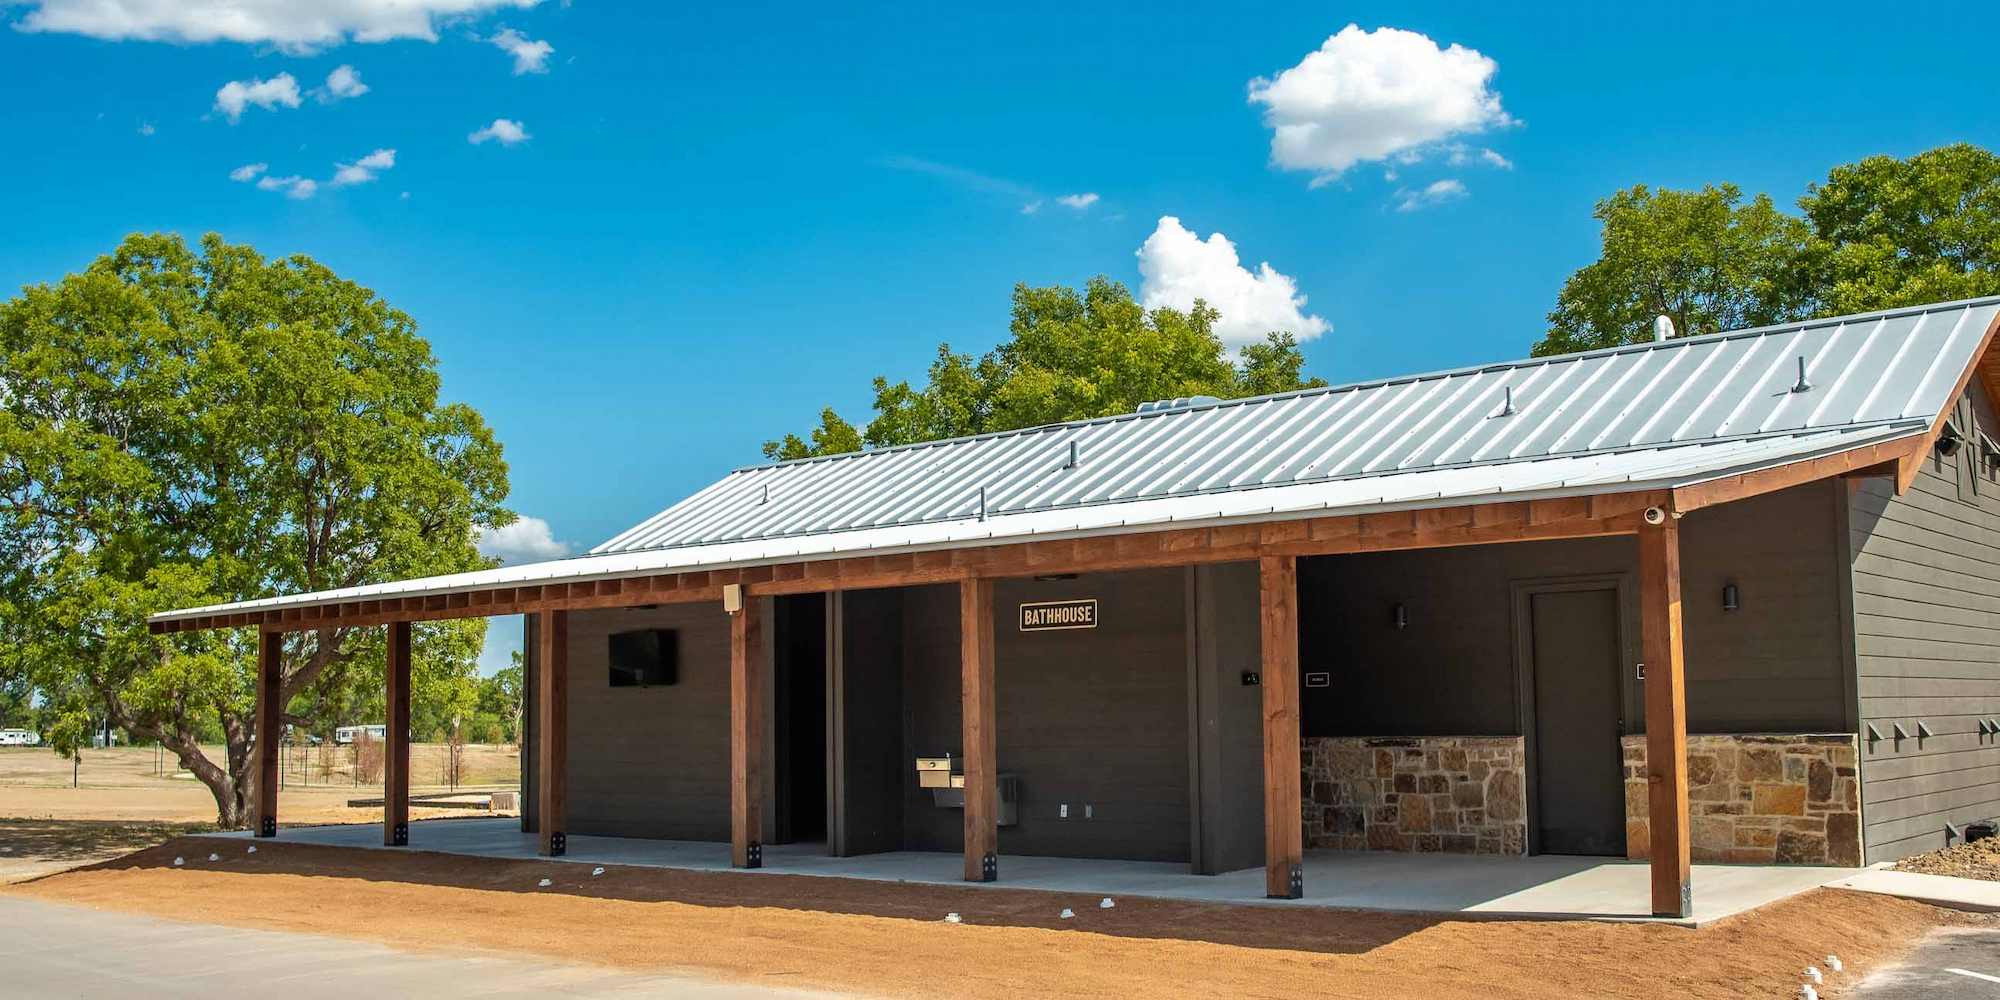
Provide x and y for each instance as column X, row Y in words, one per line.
column 645, row 658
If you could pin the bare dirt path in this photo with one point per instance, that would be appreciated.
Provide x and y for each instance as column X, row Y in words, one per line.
column 889, row 939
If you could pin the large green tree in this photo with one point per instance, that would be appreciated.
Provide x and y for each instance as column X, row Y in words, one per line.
column 1705, row 259
column 187, row 425
column 1876, row 234
column 1070, row 355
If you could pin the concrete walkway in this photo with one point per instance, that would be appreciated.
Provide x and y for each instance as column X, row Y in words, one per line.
column 51, row 950
column 1973, row 894
column 1541, row 887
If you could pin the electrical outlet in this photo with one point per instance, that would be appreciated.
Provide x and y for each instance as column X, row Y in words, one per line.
column 1062, row 811
column 1087, row 810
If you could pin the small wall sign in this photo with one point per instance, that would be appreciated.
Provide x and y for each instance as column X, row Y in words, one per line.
column 1046, row 616
column 1319, row 679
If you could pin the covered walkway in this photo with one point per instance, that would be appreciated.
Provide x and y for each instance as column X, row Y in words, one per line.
column 1537, row 887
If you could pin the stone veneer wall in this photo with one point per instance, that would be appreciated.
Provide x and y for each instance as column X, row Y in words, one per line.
column 1456, row 794
column 1759, row 798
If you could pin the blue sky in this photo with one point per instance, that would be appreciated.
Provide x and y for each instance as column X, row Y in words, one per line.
column 712, row 222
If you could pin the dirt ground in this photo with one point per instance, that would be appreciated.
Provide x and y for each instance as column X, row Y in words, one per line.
column 890, row 940
column 1977, row 860
column 129, row 797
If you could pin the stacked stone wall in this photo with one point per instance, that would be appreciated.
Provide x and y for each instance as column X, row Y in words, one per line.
column 1452, row 794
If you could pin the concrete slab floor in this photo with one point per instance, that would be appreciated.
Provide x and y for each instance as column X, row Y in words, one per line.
column 1539, row 887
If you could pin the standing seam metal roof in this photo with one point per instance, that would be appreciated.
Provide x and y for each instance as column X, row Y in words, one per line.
column 1888, row 371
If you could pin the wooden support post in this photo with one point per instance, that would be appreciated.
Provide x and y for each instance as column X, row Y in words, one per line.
column 746, row 736
column 396, row 751
column 982, row 792
column 1666, row 717
column 552, row 731
column 270, row 727
column 1284, row 850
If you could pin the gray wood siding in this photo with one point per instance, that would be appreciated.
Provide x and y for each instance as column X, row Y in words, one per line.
column 650, row 762
column 1777, row 664
column 1926, row 578
column 1094, row 717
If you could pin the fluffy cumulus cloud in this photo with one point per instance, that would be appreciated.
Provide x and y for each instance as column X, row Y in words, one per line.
column 504, row 131
column 363, row 170
column 1371, row 96
column 527, row 540
column 293, row 25
column 248, row 172
column 236, row 95
column 530, row 56
column 1434, row 193
column 342, row 83
column 1177, row 267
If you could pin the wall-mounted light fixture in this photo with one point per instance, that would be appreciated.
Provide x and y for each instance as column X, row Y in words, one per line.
column 1402, row 615
column 1053, row 577
column 1731, row 600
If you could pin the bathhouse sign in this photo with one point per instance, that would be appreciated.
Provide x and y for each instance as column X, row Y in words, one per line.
column 1050, row 615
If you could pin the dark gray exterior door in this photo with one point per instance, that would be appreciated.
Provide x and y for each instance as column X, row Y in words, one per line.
column 1579, row 776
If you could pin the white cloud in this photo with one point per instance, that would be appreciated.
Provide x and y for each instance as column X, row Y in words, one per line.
column 1434, row 193
column 504, row 131
column 343, row 82
column 1370, row 96
column 1031, row 200
column 248, row 172
column 293, row 186
column 363, row 170
column 236, row 95
column 1178, row 267
column 293, row 25
column 146, row 128
column 1462, row 155
column 529, row 56
column 528, row 539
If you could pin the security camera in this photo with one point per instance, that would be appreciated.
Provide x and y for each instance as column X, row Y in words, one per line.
column 1948, row 442
column 1655, row 515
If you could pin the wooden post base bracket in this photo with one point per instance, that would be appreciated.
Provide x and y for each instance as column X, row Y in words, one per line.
column 989, row 868
column 1295, row 885
column 558, row 844
column 401, row 836
column 267, row 827
column 754, row 856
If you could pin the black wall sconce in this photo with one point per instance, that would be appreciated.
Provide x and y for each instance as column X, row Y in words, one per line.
column 1731, row 600
column 1402, row 615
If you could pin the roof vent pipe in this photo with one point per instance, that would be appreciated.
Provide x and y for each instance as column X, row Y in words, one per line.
column 1802, row 385
column 1071, row 463
column 982, row 503
column 1506, row 402
column 766, row 498
column 1663, row 329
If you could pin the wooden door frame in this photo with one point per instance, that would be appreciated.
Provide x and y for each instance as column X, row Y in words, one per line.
column 1520, row 623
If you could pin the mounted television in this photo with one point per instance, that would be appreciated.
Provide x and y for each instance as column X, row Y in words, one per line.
column 647, row 657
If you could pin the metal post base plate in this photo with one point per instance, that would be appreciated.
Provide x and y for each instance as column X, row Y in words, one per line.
column 400, row 835
column 267, row 827
column 558, row 844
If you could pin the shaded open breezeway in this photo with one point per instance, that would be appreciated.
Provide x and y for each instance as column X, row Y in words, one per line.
column 1539, row 887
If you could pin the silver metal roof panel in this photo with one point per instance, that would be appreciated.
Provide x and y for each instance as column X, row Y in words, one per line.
column 1885, row 369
